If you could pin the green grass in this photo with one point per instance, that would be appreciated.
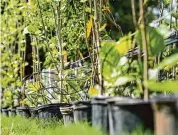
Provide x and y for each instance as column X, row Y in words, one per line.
column 22, row 126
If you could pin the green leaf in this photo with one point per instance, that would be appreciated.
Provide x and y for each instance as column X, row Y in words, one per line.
column 175, row 15
column 169, row 86
column 168, row 62
column 155, row 41
column 110, row 58
column 122, row 80
column 124, row 45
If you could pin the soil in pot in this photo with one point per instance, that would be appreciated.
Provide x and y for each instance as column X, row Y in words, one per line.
column 126, row 115
column 67, row 113
column 23, row 111
column 166, row 114
column 12, row 111
column 100, row 113
column 50, row 111
column 82, row 111
column 5, row 112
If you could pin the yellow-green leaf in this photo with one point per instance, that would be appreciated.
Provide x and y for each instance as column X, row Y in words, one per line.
column 103, row 27
column 124, row 45
column 89, row 26
column 169, row 86
column 92, row 91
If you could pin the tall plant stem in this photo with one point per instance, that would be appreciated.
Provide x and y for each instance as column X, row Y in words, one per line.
column 58, row 32
column 145, row 46
column 133, row 13
column 96, row 26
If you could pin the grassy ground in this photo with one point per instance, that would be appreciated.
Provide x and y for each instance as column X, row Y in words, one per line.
column 21, row 126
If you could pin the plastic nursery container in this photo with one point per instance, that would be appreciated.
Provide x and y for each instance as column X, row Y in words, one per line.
column 34, row 112
column 100, row 113
column 166, row 114
column 23, row 111
column 67, row 113
column 12, row 111
column 127, row 115
column 50, row 111
column 5, row 112
column 82, row 111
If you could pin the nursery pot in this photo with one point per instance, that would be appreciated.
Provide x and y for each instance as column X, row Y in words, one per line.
column 50, row 111
column 23, row 111
column 5, row 112
column 12, row 111
column 100, row 113
column 166, row 114
column 34, row 112
column 82, row 111
column 67, row 113
column 127, row 115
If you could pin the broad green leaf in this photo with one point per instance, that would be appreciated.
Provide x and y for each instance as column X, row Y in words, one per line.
column 155, row 41
column 163, row 30
column 168, row 62
column 175, row 15
column 122, row 80
column 124, row 45
column 169, row 86
column 109, row 58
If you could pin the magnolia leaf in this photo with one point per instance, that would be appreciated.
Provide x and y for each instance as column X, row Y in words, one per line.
column 109, row 58
column 169, row 86
column 124, row 45
column 155, row 41
column 163, row 30
column 175, row 15
column 168, row 62
column 122, row 80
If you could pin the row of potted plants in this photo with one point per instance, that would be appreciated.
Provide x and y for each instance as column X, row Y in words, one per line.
column 115, row 115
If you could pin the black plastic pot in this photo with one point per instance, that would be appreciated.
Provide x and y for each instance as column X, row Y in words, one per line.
column 23, row 111
column 12, row 111
column 50, row 111
column 166, row 114
column 5, row 112
column 82, row 111
column 34, row 112
column 67, row 113
column 100, row 113
column 126, row 115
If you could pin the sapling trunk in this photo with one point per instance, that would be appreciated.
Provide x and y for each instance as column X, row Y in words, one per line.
column 58, row 29
column 145, row 46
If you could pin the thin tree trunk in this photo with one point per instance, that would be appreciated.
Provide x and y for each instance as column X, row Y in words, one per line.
column 145, row 46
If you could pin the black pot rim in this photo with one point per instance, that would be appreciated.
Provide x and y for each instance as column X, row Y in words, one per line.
column 118, row 99
column 165, row 98
column 100, row 100
column 22, row 108
column 81, row 105
column 50, row 105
